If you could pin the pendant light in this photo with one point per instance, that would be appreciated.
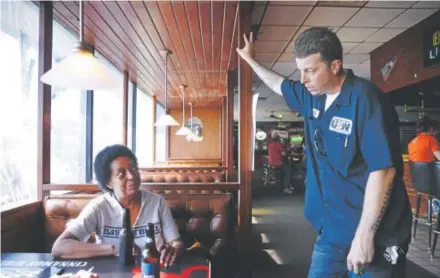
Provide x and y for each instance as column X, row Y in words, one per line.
column 81, row 69
column 166, row 119
column 190, row 135
column 183, row 130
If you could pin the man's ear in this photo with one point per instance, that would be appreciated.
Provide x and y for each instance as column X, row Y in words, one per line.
column 336, row 66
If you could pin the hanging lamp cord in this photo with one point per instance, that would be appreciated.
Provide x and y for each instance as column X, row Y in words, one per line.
column 166, row 83
column 183, row 108
column 191, row 117
column 81, row 21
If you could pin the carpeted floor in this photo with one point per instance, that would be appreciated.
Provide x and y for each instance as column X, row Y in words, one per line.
column 281, row 230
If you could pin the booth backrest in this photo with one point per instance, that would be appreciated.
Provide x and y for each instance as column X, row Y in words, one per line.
column 202, row 218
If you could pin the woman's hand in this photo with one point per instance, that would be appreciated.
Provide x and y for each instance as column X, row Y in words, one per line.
column 170, row 252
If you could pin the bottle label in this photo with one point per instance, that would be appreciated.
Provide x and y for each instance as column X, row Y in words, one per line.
column 148, row 269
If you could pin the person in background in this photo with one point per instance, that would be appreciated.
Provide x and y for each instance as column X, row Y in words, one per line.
column 436, row 132
column 117, row 173
column 355, row 196
column 287, row 168
column 424, row 147
column 276, row 153
column 293, row 166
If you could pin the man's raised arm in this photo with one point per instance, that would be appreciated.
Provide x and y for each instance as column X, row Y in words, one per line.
column 272, row 79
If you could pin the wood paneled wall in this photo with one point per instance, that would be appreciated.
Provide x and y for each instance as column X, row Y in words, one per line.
column 409, row 68
column 208, row 149
column 22, row 229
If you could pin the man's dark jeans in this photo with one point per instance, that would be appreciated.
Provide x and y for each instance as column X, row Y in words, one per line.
column 330, row 261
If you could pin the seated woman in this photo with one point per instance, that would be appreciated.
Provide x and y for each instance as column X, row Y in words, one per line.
column 424, row 148
column 116, row 170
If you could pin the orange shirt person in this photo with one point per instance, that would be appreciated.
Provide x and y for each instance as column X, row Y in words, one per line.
column 424, row 148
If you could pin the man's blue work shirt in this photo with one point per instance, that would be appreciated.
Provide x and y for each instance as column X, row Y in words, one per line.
column 357, row 135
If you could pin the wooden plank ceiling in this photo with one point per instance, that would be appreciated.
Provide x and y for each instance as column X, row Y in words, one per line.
column 131, row 35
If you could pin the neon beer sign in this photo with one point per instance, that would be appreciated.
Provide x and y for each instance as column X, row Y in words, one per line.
column 431, row 47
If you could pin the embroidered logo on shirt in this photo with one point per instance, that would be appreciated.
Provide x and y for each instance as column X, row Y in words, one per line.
column 341, row 125
column 315, row 113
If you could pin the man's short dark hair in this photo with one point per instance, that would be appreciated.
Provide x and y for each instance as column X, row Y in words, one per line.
column 424, row 124
column 318, row 40
column 103, row 160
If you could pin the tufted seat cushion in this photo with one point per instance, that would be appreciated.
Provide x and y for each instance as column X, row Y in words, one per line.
column 204, row 222
column 58, row 210
column 183, row 176
column 186, row 191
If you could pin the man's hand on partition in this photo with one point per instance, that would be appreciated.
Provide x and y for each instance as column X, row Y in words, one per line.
column 170, row 252
column 361, row 252
column 247, row 52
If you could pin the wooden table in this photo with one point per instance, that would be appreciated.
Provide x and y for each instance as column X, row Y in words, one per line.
column 106, row 267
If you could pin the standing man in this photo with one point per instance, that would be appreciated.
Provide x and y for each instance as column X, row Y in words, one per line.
column 355, row 196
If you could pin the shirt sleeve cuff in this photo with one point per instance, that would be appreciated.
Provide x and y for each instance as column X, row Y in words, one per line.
column 380, row 166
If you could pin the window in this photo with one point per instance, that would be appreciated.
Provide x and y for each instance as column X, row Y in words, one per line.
column 160, row 136
column 131, row 130
column 68, row 120
column 144, row 129
column 107, row 113
column 18, row 103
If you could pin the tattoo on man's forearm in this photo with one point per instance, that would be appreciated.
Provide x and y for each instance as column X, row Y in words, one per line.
column 269, row 77
column 386, row 200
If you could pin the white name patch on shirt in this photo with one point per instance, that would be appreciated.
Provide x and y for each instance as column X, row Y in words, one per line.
column 341, row 125
column 315, row 113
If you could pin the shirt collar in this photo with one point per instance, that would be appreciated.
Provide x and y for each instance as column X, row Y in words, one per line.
column 112, row 201
column 344, row 97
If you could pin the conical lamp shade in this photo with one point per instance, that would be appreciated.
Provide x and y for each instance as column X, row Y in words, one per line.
column 166, row 120
column 80, row 70
column 184, row 131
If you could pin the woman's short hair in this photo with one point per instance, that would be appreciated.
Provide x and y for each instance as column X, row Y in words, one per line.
column 103, row 160
column 424, row 124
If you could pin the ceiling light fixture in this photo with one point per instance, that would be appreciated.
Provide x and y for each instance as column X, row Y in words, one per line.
column 167, row 119
column 81, row 69
column 184, row 131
